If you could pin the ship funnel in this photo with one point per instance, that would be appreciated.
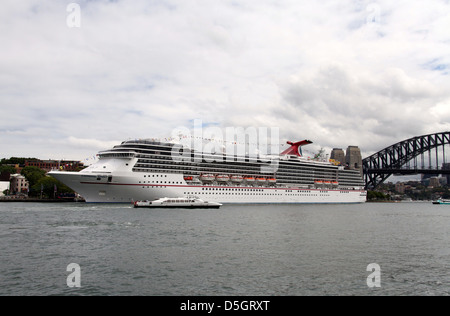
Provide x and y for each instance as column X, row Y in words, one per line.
column 295, row 148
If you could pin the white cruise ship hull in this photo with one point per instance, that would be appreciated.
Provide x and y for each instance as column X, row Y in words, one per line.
column 126, row 187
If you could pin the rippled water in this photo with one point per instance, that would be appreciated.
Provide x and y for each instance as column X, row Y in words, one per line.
column 236, row 250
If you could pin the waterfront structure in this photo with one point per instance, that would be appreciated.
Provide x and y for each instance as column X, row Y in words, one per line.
column 338, row 155
column 353, row 158
column 151, row 169
column 434, row 182
column 19, row 184
column 408, row 157
column 446, row 166
column 400, row 187
column 49, row 165
column 4, row 186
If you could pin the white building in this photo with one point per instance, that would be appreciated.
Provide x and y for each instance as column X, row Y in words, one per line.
column 4, row 185
column 19, row 184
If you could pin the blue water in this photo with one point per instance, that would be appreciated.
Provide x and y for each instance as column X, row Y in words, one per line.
column 236, row 250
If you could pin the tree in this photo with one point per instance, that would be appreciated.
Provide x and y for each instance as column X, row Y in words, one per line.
column 8, row 169
column 48, row 186
column 33, row 174
column 377, row 196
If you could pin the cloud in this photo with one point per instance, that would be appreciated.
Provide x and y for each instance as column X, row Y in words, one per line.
column 91, row 143
column 367, row 73
column 338, row 104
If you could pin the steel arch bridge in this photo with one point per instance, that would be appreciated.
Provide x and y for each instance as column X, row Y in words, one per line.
column 403, row 159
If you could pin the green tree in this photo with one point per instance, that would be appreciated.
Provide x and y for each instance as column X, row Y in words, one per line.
column 377, row 196
column 9, row 169
column 48, row 186
column 33, row 174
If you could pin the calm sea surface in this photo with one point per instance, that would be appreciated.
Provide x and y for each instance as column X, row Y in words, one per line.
column 236, row 250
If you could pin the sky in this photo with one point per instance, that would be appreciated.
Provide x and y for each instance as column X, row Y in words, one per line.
column 77, row 79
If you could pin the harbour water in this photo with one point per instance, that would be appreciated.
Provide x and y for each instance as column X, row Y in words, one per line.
column 256, row 250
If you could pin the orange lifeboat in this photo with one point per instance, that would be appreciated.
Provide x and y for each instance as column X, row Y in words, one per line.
column 249, row 179
column 261, row 180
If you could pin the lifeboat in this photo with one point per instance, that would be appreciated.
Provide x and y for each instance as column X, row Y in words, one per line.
column 189, row 178
column 222, row 178
column 207, row 177
column 249, row 179
column 272, row 180
column 261, row 180
column 237, row 178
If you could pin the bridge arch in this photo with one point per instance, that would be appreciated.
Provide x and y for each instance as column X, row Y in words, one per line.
column 391, row 160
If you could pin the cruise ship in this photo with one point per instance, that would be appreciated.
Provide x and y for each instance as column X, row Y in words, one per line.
column 148, row 170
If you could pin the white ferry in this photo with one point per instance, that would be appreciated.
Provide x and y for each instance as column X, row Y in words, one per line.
column 139, row 170
column 442, row 202
column 177, row 203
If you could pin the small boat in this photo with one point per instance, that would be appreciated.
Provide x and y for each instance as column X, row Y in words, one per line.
column 237, row 179
column 249, row 179
column 442, row 202
column 222, row 178
column 177, row 203
column 261, row 180
column 207, row 177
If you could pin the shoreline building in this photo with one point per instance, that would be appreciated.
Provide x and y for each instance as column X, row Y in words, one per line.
column 353, row 158
column 338, row 155
column 4, row 182
column 49, row 165
column 446, row 166
column 19, row 184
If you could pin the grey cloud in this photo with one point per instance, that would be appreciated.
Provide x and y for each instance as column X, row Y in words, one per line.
column 140, row 68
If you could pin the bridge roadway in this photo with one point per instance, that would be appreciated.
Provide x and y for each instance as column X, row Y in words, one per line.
column 408, row 171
